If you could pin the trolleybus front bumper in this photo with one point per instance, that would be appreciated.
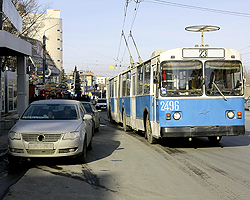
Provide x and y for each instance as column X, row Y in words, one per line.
column 203, row 131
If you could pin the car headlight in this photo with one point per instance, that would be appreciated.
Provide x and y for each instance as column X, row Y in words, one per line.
column 176, row 115
column 14, row 135
column 230, row 114
column 71, row 135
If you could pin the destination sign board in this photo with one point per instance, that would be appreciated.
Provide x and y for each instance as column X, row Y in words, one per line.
column 203, row 53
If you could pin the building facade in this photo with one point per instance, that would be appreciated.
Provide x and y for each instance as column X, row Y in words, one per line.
column 52, row 29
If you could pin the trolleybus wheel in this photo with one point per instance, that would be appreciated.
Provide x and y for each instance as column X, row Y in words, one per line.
column 98, row 127
column 110, row 117
column 124, row 122
column 148, row 133
column 214, row 139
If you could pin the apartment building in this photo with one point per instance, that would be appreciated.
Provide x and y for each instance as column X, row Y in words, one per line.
column 52, row 29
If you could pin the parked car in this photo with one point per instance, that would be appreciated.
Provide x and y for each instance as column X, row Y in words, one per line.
column 51, row 128
column 90, row 109
column 101, row 104
column 247, row 104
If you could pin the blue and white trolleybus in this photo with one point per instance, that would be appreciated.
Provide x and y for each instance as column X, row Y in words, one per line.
column 184, row 92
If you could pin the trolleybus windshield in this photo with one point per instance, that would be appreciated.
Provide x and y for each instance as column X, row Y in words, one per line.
column 181, row 78
column 223, row 77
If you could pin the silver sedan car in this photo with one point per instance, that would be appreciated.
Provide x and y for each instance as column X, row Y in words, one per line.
column 90, row 109
column 51, row 128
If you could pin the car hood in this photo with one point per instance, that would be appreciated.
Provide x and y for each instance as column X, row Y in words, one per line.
column 46, row 126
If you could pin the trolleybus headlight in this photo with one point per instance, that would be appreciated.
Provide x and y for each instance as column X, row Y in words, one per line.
column 230, row 114
column 176, row 115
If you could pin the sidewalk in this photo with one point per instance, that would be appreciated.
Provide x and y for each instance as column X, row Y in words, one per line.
column 7, row 121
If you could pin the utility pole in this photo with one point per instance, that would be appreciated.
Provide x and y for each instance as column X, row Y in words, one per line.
column 1, row 14
column 44, row 57
column 1, row 28
column 44, row 51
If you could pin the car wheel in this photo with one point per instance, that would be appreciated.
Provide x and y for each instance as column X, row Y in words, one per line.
column 98, row 127
column 93, row 128
column 90, row 143
column 13, row 160
column 148, row 134
column 82, row 157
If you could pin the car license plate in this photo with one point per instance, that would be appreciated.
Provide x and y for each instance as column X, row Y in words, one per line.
column 41, row 146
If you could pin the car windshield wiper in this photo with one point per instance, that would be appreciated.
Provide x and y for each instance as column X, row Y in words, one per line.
column 219, row 91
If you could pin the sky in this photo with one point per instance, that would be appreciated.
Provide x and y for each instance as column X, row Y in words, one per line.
column 92, row 29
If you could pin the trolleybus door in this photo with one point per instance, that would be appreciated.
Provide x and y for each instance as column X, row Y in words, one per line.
column 115, row 99
column 155, row 128
column 133, row 102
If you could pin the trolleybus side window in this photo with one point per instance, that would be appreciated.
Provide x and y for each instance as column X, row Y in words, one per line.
column 147, row 79
column 181, row 78
column 224, row 76
column 124, row 80
column 111, row 88
column 140, row 80
column 128, row 83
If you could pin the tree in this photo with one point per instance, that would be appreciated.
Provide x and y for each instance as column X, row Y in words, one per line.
column 63, row 78
column 77, row 83
column 32, row 14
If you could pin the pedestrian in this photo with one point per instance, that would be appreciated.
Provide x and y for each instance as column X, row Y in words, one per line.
column 33, row 98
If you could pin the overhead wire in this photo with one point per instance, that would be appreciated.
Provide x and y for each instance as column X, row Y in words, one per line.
column 88, row 51
column 198, row 8
column 124, row 19
column 244, row 48
column 132, row 24
column 90, row 62
column 169, row 3
column 245, row 53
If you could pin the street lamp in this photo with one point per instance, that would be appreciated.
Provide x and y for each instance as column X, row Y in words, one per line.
column 44, row 50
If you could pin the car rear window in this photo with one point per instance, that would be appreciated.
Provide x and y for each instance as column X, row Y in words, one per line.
column 102, row 101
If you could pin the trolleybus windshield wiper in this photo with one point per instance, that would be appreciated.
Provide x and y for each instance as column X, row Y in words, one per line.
column 219, row 91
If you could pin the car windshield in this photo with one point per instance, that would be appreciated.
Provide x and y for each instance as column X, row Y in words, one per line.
column 51, row 112
column 181, row 78
column 87, row 107
column 223, row 78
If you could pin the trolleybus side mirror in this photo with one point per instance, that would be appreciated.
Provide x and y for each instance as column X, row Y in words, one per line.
column 156, row 77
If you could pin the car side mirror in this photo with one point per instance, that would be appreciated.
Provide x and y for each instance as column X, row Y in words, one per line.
column 87, row 117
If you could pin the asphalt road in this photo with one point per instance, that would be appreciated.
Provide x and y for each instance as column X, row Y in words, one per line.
column 122, row 165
